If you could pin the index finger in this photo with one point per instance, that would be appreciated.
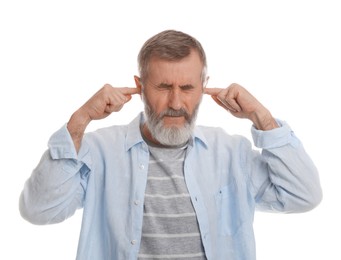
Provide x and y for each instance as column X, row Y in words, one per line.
column 130, row 91
column 212, row 91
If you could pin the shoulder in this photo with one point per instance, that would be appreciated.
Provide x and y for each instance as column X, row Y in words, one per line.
column 217, row 136
column 107, row 132
column 118, row 132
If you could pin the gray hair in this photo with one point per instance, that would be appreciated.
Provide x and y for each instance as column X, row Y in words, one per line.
column 169, row 45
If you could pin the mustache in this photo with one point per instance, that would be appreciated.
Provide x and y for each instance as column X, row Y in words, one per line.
column 175, row 113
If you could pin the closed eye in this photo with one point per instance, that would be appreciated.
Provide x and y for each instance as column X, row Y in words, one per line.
column 164, row 86
column 187, row 87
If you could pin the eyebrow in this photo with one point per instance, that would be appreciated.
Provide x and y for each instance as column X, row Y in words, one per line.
column 186, row 86
column 166, row 85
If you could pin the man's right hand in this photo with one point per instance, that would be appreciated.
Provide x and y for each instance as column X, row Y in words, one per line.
column 107, row 100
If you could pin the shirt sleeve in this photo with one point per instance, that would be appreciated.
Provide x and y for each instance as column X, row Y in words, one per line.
column 276, row 137
column 284, row 178
column 56, row 187
column 61, row 145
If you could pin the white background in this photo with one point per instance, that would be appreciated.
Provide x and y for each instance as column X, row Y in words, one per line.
column 55, row 54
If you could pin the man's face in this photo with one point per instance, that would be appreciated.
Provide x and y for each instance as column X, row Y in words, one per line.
column 172, row 95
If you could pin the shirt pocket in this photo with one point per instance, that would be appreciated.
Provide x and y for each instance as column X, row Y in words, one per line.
column 230, row 217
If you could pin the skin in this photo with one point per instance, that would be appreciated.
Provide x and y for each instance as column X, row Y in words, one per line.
column 173, row 85
column 170, row 85
column 241, row 104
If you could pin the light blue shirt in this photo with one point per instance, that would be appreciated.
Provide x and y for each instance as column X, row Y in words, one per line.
column 227, row 181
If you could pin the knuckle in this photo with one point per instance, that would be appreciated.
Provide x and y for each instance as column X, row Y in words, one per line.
column 107, row 86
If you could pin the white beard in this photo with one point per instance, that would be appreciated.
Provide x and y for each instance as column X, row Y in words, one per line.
column 169, row 136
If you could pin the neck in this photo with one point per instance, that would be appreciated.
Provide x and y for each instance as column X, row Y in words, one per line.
column 146, row 134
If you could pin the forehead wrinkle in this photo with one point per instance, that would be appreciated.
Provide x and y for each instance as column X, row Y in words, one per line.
column 165, row 70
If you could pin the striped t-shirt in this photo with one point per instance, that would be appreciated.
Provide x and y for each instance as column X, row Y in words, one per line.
column 170, row 229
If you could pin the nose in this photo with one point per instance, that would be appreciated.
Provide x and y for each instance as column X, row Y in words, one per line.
column 175, row 99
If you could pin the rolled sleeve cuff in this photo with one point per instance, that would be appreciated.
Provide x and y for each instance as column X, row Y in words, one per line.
column 61, row 145
column 274, row 138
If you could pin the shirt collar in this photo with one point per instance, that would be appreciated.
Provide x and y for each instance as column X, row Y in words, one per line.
column 134, row 133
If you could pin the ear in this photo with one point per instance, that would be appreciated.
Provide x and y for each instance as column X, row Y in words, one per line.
column 138, row 83
column 206, row 81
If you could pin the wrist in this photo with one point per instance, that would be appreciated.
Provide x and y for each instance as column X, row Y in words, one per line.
column 264, row 121
column 77, row 125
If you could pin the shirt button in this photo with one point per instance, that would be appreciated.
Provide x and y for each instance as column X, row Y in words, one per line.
column 136, row 202
column 141, row 166
column 133, row 242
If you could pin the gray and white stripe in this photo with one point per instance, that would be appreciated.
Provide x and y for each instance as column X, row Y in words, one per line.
column 170, row 228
